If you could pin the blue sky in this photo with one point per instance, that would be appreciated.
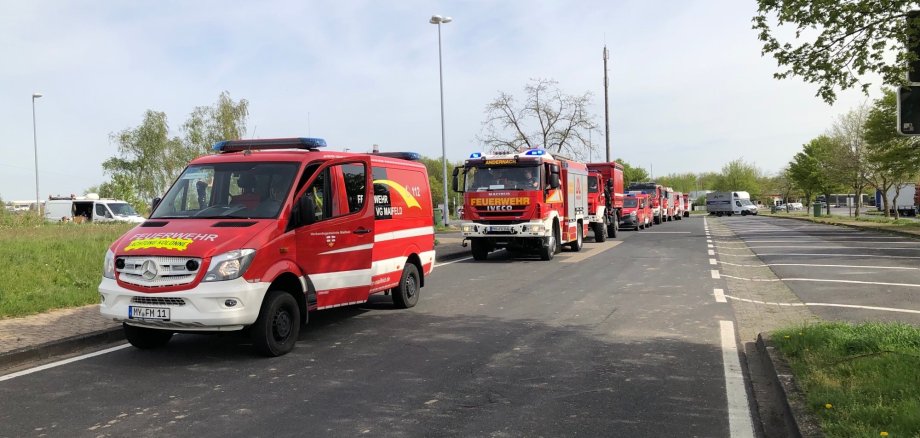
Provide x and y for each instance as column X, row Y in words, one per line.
column 689, row 90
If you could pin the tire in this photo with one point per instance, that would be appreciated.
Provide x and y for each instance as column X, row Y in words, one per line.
column 551, row 246
column 678, row 217
column 579, row 238
column 479, row 249
column 600, row 232
column 146, row 338
column 614, row 228
column 657, row 219
column 276, row 330
column 406, row 294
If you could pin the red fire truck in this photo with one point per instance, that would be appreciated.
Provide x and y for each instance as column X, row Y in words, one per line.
column 265, row 231
column 656, row 198
column 678, row 198
column 687, row 206
column 610, row 212
column 528, row 201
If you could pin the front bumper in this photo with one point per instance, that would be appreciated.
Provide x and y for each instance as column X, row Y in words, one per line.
column 629, row 221
column 525, row 229
column 203, row 307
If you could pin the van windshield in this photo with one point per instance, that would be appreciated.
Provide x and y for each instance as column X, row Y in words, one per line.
column 122, row 209
column 630, row 202
column 229, row 190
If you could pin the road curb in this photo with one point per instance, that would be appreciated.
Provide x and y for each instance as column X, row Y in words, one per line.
column 798, row 420
column 853, row 226
column 59, row 347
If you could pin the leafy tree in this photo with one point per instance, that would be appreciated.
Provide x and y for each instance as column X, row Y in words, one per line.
column 435, row 181
column 739, row 175
column 812, row 169
column 206, row 125
column 149, row 159
column 681, row 182
column 892, row 158
column 852, row 39
column 707, row 180
column 547, row 118
column 632, row 174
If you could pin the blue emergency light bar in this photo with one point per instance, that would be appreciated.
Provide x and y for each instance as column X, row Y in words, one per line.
column 269, row 143
column 411, row 156
column 476, row 155
column 536, row 152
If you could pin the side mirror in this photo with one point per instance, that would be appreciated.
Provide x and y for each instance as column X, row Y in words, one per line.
column 609, row 184
column 554, row 181
column 454, row 182
column 554, row 169
column 306, row 210
column 154, row 204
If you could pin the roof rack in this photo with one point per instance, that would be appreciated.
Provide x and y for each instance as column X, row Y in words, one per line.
column 269, row 143
column 411, row 156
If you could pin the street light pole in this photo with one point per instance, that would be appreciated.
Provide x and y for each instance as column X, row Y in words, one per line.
column 38, row 203
column 438, row 20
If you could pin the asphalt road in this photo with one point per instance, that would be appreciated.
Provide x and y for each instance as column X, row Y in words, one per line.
column 839, row 273
column 621, row 339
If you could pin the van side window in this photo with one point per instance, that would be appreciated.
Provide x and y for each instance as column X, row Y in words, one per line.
column 355, row 185
column 101, row 210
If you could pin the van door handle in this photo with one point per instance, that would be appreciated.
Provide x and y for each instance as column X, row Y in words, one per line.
column 361, row 231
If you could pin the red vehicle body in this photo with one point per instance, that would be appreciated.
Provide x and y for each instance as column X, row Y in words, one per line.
column 529, row 201
column 266, row 231
column 609, row 214
column 668, row 204
column 678, row 198
column 657, row 199
column 637, row 213
column 687, row 207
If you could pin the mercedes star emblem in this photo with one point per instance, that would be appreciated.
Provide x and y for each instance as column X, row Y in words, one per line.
column 149, row 270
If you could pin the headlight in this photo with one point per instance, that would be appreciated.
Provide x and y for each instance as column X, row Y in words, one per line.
column 108, row 265
column 466, row 228
column 632, row 213
column 229, row 265
column 538, row 228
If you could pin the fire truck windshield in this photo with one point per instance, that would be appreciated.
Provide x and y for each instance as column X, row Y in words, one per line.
column 228, row 190
column 481, row 179
column 630, row 202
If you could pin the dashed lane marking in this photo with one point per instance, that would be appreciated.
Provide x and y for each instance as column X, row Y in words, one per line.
column 824, row 280
column 715, row 273
column 453, row 261
column 712, row 261
column 719, row 294
column 711, row 252
column 834, row 255
column 814, row 265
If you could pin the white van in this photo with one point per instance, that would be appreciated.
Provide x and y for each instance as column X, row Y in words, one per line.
column 729, row 203
column 90, row 208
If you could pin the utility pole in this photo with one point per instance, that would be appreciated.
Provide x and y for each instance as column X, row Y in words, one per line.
column 606, row 106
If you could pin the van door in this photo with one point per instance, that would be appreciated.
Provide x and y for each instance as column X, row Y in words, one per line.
column 334, row 249
column 101, row 213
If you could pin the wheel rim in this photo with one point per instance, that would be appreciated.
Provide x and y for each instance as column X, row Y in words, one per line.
column 281, row 325
column 411, row 286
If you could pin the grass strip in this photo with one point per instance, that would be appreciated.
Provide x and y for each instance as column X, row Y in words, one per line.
column 51, row 265
column 860, row 380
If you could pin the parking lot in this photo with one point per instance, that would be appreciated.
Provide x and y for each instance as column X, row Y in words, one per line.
column 837, row 273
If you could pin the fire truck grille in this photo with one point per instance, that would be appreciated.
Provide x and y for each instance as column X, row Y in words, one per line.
column 158, row 301
column 514, row 212
column 158, row 271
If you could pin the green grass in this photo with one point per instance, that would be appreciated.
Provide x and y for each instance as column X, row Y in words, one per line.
column 50, row 265
column 859, row 380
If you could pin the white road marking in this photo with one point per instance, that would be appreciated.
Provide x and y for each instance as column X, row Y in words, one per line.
column 849, row 239
column 739, row 412
column 835, row 255
column 715, row 273
column 842, row 266
column 711, row 252
column 720, row 295
column 452, row 261
column 62, row 362
column 836, row 247
column 667, row 232
column 848, row 306
column 712, row 261
column 824, row 280
column 709, row 245
column 743, row 266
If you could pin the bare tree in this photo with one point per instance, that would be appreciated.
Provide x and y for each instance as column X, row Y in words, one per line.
column 548, row 118
column 852, row 165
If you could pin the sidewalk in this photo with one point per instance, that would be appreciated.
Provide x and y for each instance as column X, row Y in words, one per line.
column 64, row 331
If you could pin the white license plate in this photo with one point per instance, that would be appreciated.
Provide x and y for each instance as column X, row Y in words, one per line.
column 499, row 229
column 135, row 312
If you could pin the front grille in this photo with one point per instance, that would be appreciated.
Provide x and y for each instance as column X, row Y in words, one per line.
column 170, row 271
column 515, row 212
column 158, row 301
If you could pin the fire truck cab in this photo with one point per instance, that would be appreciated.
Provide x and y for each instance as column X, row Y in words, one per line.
column 527, row 201
column 656, row 199
column 264, row 232
column 612, row 174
